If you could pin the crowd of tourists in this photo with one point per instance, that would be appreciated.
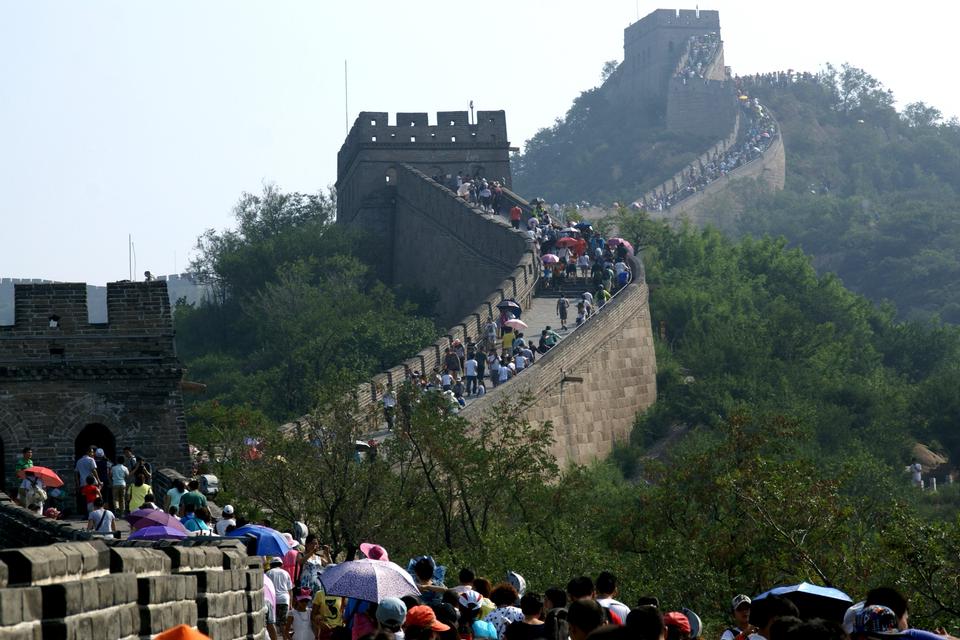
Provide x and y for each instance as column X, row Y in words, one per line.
column 702, row 49
column 478, row 608
column 759, row 132
column 476, row 189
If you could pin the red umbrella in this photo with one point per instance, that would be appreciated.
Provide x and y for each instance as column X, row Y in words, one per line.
column 153, row 517
column 567, row 242
column 49, row 476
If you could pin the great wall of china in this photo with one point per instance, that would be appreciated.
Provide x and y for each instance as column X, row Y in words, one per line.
column 57, row 582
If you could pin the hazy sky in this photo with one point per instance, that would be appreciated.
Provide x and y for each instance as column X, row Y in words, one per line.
column 151, row 118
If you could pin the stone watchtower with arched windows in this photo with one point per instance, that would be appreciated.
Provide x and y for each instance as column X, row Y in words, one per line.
column 370, row 160
column 67, row 383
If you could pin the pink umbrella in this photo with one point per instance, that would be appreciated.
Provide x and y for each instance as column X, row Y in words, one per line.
column 613, row 242
column 549, row 258
column 514, row 323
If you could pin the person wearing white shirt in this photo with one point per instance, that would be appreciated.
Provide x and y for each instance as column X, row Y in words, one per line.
column 470, row 367
column 520, row 362
column 226, row 521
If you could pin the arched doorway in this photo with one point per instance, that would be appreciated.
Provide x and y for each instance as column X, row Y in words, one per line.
column 99, row 436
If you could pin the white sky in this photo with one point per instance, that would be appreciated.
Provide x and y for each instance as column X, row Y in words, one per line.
column 151, row 118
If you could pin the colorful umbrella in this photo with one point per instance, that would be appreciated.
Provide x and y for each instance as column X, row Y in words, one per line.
column 157, row 532
column 48, row 476
column 513, row 323
column 270, row 542
column 154, row 517
column 813, row 601
column 369, row 580
column 567, row 242
column 181, row 632
column 613, row 242
column 549, row 258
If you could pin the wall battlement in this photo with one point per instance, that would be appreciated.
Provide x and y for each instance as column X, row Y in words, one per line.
column 412, row 131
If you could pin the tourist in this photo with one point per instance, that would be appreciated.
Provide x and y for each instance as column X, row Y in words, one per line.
column 469, row 604
column 583, row 616
column 515, row 214
column 428, row 578
column 227, row 520
column 281, row 583
column 562, row 305
column 645, row 622
column 193, row 497
column 606, row 587
column 677, row 626
column 137, row 492
column 470, row 368
column 391, row 614
column 32, row 490
column 327, row 614
column 90, row 492
column 389, row 407
column 100, row 519
column 421, row 624
column 493, row 360
column 299, row 625
column 504, row 597
column 451, row 362
column 531, row 627
column 149, row 502
column 740, row 606
column 118, row 483
column 192, row 522
column 174, row 495
column 103, row 472
column 86, row 467
column 768, row 610
column 25, row 461
column 465, row 578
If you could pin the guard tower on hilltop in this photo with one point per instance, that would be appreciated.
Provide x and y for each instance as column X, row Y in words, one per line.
column 655, row 49
column 67, row 383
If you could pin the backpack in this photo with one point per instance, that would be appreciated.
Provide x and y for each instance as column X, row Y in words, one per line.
column 556, row 624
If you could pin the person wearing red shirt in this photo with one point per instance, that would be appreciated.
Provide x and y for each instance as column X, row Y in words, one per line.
column 90, row 492
column 515, row 213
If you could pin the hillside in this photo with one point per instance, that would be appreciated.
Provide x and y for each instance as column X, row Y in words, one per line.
column 872, row 193
column 591, row 155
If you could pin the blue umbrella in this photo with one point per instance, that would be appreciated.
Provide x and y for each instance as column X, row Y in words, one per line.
column 370, row 580
column 269, row 541
column 813, row 601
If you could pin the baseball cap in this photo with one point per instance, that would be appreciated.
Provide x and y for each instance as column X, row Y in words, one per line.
column 276, row 562
column 876, row 619
column 470, row 599
column 391, row 612
column 423, row 616
column 739, row 601
column 374, row 551
column 228, row 509
column 678, row 620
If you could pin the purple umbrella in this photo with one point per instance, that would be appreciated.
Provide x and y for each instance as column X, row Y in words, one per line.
column 154, row 517
column 157, row 532
column 370, row 580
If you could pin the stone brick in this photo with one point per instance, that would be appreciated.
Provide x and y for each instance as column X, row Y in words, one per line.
column 141, row 561
column 19, row 605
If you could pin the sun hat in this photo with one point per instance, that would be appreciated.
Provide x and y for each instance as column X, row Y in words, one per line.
column 276, row 562
column 516, row 579
column 228, row 509
column 304, row 594
column 288, row 537
column 423, row 616
column 739, row 600
column 391, row 612
column 374, row 551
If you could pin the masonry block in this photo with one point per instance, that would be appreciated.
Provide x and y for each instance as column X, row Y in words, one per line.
column 139, row 560
column 159, row 589
column 23, row 631
column 19, row 605
column 224, row 628
column 155, row 618
column 221, row 605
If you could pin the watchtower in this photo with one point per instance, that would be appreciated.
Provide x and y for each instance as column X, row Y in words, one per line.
column 67, row 383
column 368, row 163
column 652, row 48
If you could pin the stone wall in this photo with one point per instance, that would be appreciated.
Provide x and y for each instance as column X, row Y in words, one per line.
column 96, row 588
column 502, row 261
column 701, row 107
column 592, row 384
column 717, row 204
